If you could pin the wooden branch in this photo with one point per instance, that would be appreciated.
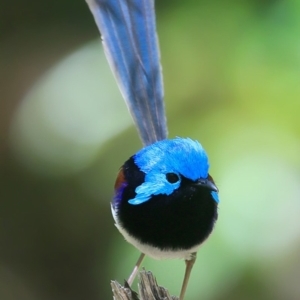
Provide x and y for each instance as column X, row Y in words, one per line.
column 148, row 289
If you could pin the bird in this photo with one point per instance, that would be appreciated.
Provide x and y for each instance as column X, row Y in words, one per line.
column 165, row 201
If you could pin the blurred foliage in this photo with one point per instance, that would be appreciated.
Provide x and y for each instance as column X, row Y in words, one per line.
column 232, row 81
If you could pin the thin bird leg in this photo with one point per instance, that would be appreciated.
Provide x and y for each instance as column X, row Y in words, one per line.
column 135, row 269
column 188, row 268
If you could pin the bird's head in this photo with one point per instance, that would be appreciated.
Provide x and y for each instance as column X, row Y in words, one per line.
column 169, row 162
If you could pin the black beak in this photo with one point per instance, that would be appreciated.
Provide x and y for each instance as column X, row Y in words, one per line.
column 206, row 183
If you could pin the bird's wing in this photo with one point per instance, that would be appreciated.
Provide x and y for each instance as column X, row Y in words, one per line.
column 129, row 37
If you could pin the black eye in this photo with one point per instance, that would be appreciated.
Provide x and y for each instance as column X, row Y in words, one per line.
column 172, row 177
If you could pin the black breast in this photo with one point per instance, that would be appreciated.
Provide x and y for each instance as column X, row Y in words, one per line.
column 179, row 221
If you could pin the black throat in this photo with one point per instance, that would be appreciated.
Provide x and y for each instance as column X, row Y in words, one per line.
column 178, row 221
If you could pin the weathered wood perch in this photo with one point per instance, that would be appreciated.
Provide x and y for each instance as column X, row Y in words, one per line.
column 147, row 286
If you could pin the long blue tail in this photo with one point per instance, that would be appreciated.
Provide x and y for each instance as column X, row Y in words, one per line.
column 129, row 37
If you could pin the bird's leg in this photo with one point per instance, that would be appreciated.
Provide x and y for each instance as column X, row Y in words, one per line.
column 188, row 268
column 135, row 269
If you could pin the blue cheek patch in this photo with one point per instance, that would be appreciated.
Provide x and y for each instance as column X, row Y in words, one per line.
column 155, row 184
column 215, row 197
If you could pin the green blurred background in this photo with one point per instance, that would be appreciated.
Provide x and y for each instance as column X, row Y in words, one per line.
column 232, row 81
